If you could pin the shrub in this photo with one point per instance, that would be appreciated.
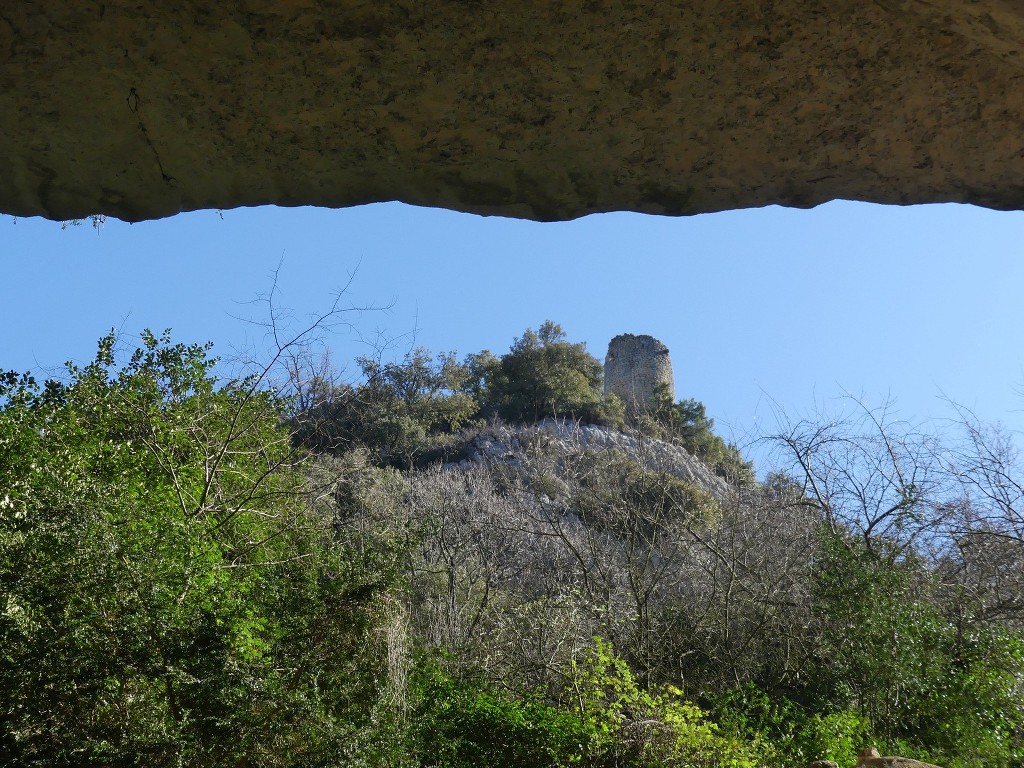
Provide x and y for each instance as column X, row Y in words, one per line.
column 545, row 375
column 686, row 422
column 168, row 595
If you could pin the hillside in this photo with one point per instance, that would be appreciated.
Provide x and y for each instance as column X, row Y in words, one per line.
column 487, row 563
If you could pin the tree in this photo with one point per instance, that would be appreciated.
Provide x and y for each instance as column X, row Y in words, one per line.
column 889, row 652
column 401, row 412
column 916, row 589
column 686, row 422
column 870, row 475
column 170, row 592
column 545, row 375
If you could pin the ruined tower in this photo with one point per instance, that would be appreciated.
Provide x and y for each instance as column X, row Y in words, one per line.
column 634, row 369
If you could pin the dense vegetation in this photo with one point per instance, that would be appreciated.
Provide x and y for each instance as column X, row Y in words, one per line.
column 264, row 572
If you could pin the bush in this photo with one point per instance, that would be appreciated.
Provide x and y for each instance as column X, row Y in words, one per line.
column 400, row 415
column 169, row 596
column 464, row 724
column 633, row 727
column 946, row 690
column 602, row 720
column 544, row 375
column 686, row 422
column 793, row 734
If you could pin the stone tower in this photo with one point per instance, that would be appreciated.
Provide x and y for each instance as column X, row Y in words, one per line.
column 634, row 369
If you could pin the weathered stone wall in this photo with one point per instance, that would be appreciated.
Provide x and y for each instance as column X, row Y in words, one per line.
column 634, row 368
column 535, row 109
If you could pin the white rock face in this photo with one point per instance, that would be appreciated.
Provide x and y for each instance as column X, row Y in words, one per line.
column 510, row 443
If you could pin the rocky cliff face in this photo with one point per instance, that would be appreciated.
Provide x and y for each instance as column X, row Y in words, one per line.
column 531, row 109
column 514, row 445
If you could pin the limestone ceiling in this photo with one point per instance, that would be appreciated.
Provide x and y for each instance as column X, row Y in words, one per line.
column 528, row 108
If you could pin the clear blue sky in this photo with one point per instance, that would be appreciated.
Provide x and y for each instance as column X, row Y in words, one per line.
column 757, row 306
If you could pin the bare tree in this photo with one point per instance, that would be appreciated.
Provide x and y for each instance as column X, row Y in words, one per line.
column 868, row 473
column 680, row 581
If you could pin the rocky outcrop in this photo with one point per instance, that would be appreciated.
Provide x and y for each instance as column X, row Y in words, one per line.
column 870, row 758
column 534, row 109
column 511, row 444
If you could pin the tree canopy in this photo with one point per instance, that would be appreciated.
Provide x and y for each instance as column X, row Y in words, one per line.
column 542, row 375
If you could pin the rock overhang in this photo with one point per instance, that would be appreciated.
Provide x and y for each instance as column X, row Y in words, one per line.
column 529, row 109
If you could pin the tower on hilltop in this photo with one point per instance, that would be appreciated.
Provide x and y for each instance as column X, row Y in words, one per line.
column 634, row 368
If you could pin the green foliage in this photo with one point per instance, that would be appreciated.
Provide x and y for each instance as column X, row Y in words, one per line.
column 400, row 413
column 466, row 723
column 544, row 375
column 618, row 493
column 687, row 423
column 633, row 727
column 793, row 734
column 406, row 406
column 406, row 414
column 181, row 583
column 604, row 719
column 482, row 369
column 167, row 594
column 947, row 690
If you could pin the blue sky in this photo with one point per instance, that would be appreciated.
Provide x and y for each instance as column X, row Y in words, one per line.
column 760, row 308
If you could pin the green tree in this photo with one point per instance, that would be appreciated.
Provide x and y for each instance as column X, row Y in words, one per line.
column 545, row 375
column 603, row 720
column 168, row 595
column 482, row 368
column 687, row 423
column 949, row 693
column 401, row 412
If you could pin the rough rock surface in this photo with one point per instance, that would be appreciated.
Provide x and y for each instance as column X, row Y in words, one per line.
column 530, row 109
column 510, row 443
column 869, row 758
